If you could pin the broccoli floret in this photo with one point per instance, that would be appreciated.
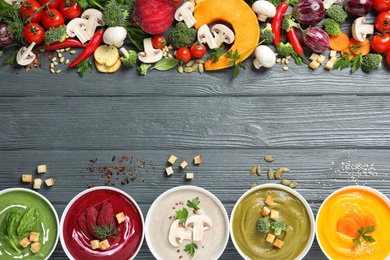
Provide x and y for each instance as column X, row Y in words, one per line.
column 288, row 23
column 129, row 58
column 332, row 28
column 371, row 61
column 263, row 225
column 115, row 14
column 337, row 13
column 143, row 68
column 266, row 34
column 285, row 49
column 55, row 35
column 181, row 35
column 278, row 227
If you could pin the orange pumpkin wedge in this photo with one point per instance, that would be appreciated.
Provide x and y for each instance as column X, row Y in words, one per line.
column 240, row 16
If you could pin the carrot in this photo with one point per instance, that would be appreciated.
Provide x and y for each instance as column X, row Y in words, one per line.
column 357, row 47
column 339, row 42
column 347, row 50
column 359, row 218
column 348, row 226
column 369, row 220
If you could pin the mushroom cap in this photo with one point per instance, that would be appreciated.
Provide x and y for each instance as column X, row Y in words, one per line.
column 75, row 23
column 263, row 9
column 201, row 219
column 360, row 29
column 150, row 54
column 187, row 5
column 205, row 36
column 25, row 55
column 265, row 57
column 223, row 32
column 92, row 12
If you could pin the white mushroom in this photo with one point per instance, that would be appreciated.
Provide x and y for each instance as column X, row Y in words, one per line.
column 264, row 10
column 329, row 3
column 94, row 19
column 198, row 224
column 265, row 57
column 150, row 54
column 115, row 36
column 360, row 29
column 184, row 13
column 25, row 55
column 222, row 33
column 177, row 233
column 205, row 36
column 77, row 28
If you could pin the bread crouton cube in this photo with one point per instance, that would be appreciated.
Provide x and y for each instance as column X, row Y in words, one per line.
column 172, row 159
column 27, row 178
column 41, row 168
column 120, row 217
column 321, row 58
column 269, row 200
column 265, row 211
column 95, row 244
column 274, row 215
column 332, row 53
column 313, row 56
column 329, row 65
column 35, row 247
column 314, row 64
column 104, row 244
column 34, row 236
column 37, row 183
column 169, row 170
column 183, row 164
column 270, row 238
column 278, row 243
column 25, row 242
column 49, row 182
column 189, row 175
column 197, row 159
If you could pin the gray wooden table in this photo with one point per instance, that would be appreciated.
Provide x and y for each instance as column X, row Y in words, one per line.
column 330, row 128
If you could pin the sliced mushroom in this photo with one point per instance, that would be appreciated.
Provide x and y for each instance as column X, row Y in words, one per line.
column 77, row 28
column 360, row 29
column 205, row 36
column 25, row 55
column 198, row 224
column 222, row 33
column 177, row 233
column 150, row 54
column 264, row 10
column 94, row 19
column 184, row 13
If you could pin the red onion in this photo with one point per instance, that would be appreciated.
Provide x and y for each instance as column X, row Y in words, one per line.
column 309, row 12
column 316, row 39
column 5, row 37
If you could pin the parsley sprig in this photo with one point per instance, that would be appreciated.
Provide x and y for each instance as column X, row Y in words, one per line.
column 83, row 66
column 344, row 62
column 364, row 233
column 182, row 215
column 194, row 203
column 190, row 249
column 235, row 62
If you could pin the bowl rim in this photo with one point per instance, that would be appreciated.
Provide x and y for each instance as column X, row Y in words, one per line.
column 89, row 190
column 339, row 190
column 51, row 206
column 186, row 187
column 286, row 189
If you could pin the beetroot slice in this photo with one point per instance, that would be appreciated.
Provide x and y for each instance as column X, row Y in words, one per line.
column 91, row 218
column 82, row 221
column 106, row 215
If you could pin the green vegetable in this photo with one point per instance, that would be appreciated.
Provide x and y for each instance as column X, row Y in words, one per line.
column 58, row 34
column 332, row 28
column 193, row 203
column 9, row 226
column 263, row 225
column 217, row 52
column 28, row 222
column 181, row 35
column 129, row 58
column 99, row 4
column 10, row 15
column 235, row 61
column 190, row 249
column 103, row 232
column 288, row 22
column 363, row 233
column 83, row 66
column 344, row 61
column 143, row 68
column 371, row 61
column 166, row 64
column 278, row 227
column 337, row 13
column 266, row 34
column 182, row 215
column 115, row 14
column 285, row 49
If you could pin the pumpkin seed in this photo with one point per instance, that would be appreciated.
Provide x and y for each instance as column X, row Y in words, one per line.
column 286, row 182
column 271, row 174
column 293, row 184
column 268, row 158
column 253, row 185
column 259, row 170
column 201, row 68
column 180, row 69
column 189, row 64
column 253, row 170
column 284, row 169
column 188, row 69
column 195, row 66
column 199, row 61
column 278, row 173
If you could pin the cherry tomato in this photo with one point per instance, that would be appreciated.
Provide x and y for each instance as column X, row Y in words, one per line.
column 28, row 8
column 183, row 55
column 159, row 42
column 381, row 5
column 380, row 43
column 52, row 18
column 33, row 32
column 70, row 9
column 53, row 5
column 197, row 49
column 388, row 58
column 382, row 22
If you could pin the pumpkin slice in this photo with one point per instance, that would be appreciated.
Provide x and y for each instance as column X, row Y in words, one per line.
column 240, row 16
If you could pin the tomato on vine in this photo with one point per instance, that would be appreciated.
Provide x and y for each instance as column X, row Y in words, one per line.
column 381, row 5
column 183, row 55
column 159, row 42
column 27, row 11
column 382, row 22
column 70, row 9
column 33, row 32
column 54, row 3
column 52, row 18
column 198, row 49
column 380, row 43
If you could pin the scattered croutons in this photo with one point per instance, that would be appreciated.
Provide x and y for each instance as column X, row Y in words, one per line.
column 120, row 217
column 332, row 53
column 41, row 168
column 104, row 244
column 95, row 244
column 27, row 178
column 169, row 170
column 189, row 175
column 265, row 211
column 34, row 236
column 278, row 243
column 49, row 182
column 274, row 215
column 25, row 242
column 313, row 56
column 333, row 59
column 270, row 238
column 321, row 58
column 269, row 200
column 314, row 64
column 197, row 159
column 183, row 164
column 172, row 159
column 107, row 59
column 329, row 65
column 37, row 183
column 35, row 247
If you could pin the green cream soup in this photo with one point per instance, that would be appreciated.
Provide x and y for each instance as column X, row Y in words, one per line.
column 20, row 202
column 292, row 212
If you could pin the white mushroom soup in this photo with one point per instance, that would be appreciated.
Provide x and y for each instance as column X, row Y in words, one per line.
column 187, row 222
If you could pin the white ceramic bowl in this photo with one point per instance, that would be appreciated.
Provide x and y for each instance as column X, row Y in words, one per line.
column 162, row 215
column 124, row 245
column 252, row 244
column 21, row 199
column 346, row 202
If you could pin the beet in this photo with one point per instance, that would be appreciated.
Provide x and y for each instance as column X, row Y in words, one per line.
column 358, row 7
column 155, row 16
column 106, row 215
column 309, row 12
column 82, row 221
column 91, row 215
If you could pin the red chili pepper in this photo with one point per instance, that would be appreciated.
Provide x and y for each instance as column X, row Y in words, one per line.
column 276, row 21
column 293, row 38
column 89, row 49
column 68, row 42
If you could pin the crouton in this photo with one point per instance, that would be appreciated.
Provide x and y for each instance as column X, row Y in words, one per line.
column 265, row 211
column 25, row 242
column 37, row 183
column 278, row 243
column 95, row 244
column 172, row 159
column 270, row 238
column 189, row 175
column 34, row 236
column 35, row 247
column 269, row 200
column 27, row 178
column 274, row 215
column 197, row 159
column 183, row 164
column 120, row 217
column 169, row 170
column 104, row 244
column 49, row 182
column 41, row 168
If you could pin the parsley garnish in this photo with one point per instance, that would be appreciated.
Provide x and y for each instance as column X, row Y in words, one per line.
column 84, row 65
column 344, row 61
column 182, row 215
column 190, row 249
column 216, row 54
column 363, row 233
column 193, row 203
column 235, row 61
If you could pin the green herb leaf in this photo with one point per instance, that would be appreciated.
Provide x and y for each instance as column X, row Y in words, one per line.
column 11, row 59
column 343, row 61
column 216, row 54
column 193, row 203
column 28, row 222
column 103, row 232
column 136, row 35
column 9, row 226
column 356, row 62
column 83, row 66
column 165, row 64
column 182, row 215
column 364, row 233
column 190, row 249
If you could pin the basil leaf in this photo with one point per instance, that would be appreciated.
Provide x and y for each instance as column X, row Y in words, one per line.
column 28, row 222
column 165, row 64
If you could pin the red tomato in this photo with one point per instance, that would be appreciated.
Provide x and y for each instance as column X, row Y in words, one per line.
column 382, row 22
column 388, row 58
column 183, row 55
column 53, row 5
column 33, row 32
column 52, row 18
column 197, row 49
column 380, row 43
column 381, row 5
column 70, row 9
column 159, row 42
column 28, row 8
